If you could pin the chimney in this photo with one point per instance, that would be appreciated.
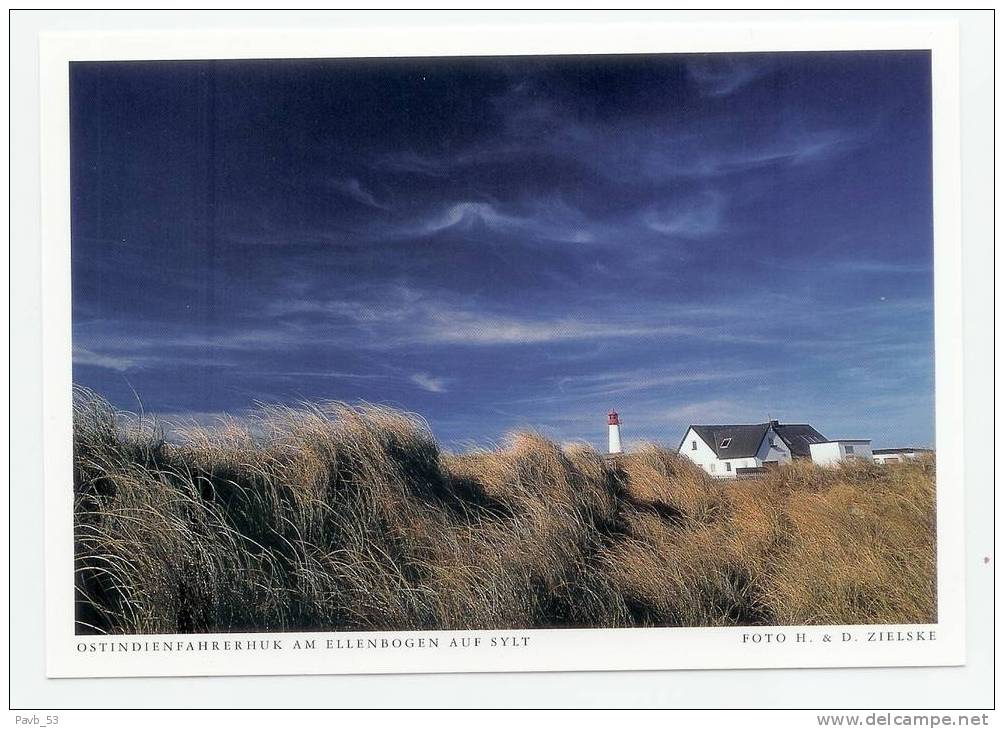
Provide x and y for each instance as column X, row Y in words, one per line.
column 614, row 432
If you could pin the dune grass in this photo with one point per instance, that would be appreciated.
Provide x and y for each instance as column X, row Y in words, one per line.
column 333, row 517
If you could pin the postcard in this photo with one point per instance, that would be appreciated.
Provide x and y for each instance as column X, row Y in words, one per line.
column 502, row 349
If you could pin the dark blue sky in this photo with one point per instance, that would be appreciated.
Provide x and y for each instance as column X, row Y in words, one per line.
column 500, row 243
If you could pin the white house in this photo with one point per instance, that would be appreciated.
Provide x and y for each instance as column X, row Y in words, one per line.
column 896, row 455
column 728, row 451
column 833, row 452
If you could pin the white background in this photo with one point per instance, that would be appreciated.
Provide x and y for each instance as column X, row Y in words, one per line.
column 968, row 686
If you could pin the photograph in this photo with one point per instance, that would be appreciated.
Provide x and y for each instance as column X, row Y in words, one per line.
column 510, row 342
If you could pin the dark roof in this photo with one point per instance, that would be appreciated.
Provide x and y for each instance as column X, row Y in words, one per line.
column 746, row 439
column 881, row 451
column 798, row 437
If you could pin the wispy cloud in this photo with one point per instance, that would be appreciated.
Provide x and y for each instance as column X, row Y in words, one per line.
column 544, row 221
column 654, row 382
column 721, row 75
column 412, row 162
column 617, row 382
column 878, row 267
column 140, row 341
column 323, row 374
column 353, row 188
column 123, row 346
column 653, row 144
column 692, row 218
column 466, row 327
column 429, row 383
column 118, row 363
column 795, row 147
column 467, row 215
column 399, row 316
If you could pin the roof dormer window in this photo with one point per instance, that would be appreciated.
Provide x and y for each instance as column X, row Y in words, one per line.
column 726, row 442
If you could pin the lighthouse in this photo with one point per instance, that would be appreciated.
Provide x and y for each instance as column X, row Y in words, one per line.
column 614, row 428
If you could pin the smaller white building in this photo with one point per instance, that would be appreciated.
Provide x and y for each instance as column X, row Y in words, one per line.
column 898, row 455
column 832, row 452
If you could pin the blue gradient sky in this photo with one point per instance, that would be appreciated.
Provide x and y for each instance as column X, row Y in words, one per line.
column 518, row 242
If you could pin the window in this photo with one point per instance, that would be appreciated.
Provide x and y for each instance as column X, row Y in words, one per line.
column 728, row 466
column 693, row 445
column 849, row 450
column 711, row 467
column 726, row 442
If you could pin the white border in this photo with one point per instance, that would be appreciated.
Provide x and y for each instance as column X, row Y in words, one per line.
column 549, row 650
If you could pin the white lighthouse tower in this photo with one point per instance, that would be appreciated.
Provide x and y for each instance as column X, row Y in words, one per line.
column 614, row 428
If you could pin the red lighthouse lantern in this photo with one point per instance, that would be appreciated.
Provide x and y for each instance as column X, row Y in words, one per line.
column 614, row 432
